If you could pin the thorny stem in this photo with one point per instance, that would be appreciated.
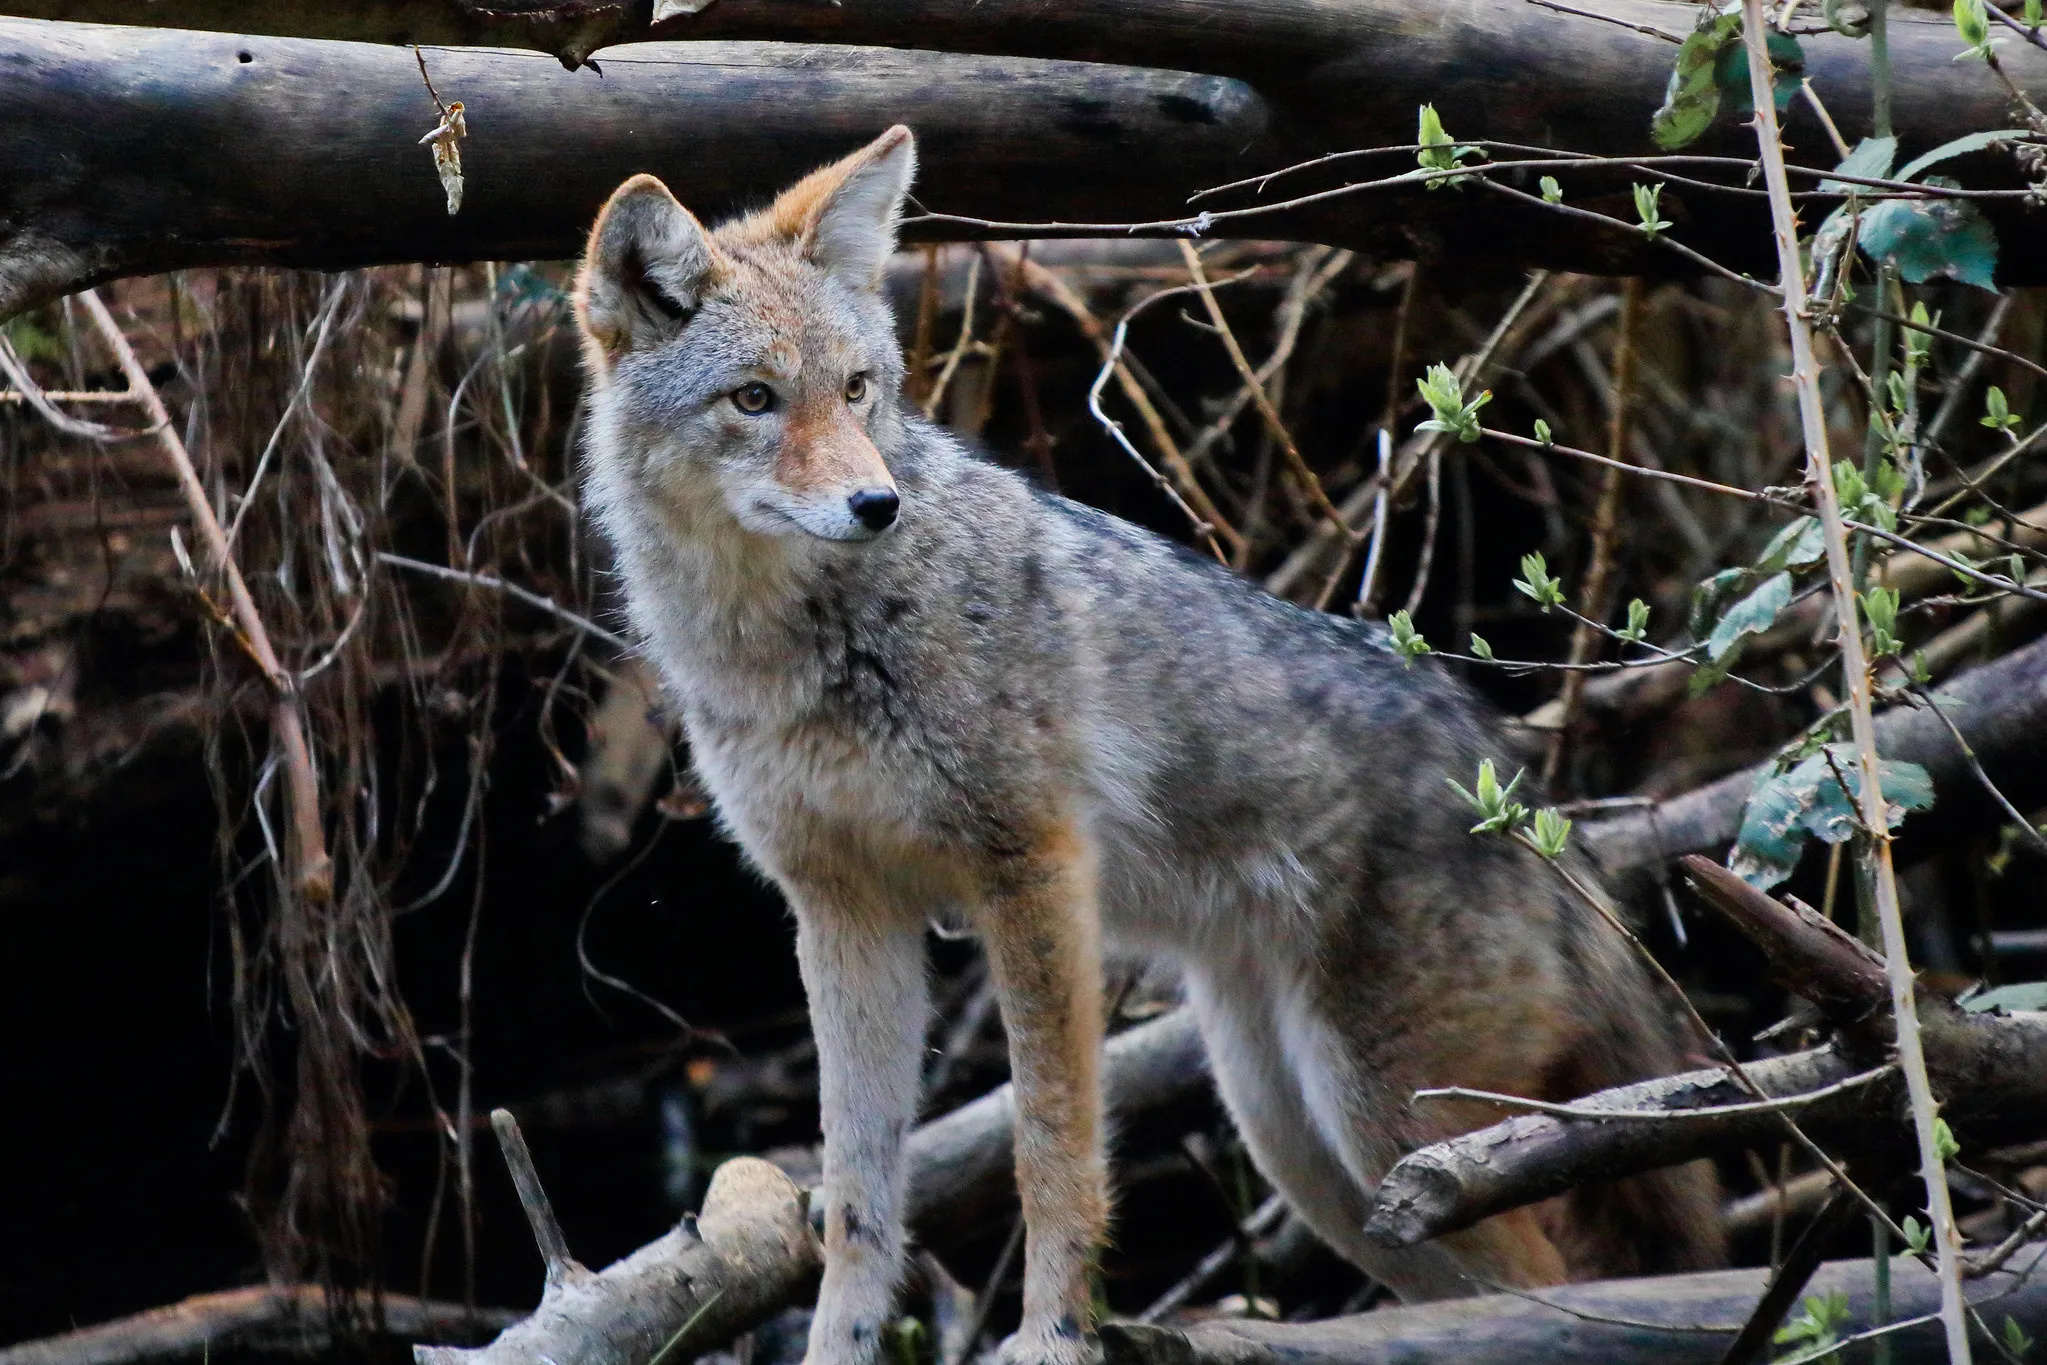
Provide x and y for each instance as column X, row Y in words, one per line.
column 311, row 871
column 1812, row 416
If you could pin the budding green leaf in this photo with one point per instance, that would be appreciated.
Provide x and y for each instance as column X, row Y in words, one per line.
column 1444, row 394
column 1646, row 208
column 1542, row 432
column 2015, row 1339
column 1918, row 340
column 1535, row 582
column 1497, row 809
column 1439, row 151
column 1922, row 672
column 1918, row 1236
column 1553, row 193
column 1638, row 622
column 1407, row 643
column 1880, row 605
column 1551, row 834
column 1479, row 648
column 1944, row 1145
column 1997, row 413
column 2016, row 567
column 2033, row 18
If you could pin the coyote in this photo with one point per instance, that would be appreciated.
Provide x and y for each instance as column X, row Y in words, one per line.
column 920, row 690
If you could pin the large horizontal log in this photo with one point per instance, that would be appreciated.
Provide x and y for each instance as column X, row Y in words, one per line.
column 2000, row 709
column 1670, row 1320
column 126, row 151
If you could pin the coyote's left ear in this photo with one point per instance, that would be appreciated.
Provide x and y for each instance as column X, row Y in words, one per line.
column 845, row 214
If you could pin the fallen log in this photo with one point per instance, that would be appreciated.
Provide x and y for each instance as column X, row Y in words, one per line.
column 289, row 1319
column 752, row 1250
column 2000, row 708
column 1669, row 1320
column 128, row 151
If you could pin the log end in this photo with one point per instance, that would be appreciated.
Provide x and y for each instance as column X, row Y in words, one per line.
column 754, row 1216
column 1414, row 1202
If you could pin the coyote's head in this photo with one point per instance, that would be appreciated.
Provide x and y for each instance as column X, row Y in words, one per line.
column 752, row 369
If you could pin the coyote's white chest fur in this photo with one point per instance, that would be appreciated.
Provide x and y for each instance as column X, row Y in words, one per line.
column 918, row 689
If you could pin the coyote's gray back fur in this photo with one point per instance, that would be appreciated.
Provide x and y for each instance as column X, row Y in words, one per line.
column 1258, row 790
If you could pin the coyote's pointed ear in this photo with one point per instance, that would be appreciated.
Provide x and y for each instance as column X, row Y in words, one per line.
column 845, row 214
column 645, row 270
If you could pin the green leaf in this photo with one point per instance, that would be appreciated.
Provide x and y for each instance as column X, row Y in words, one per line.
column 1710, row 596
column 2034, row 17
column 1796, row 545
column 2024, row 996
column 1552, row 833
column 1647, row 201
column 1929, row 237
column 1872, row 158
column 1944, row 1145
column 1439, row 151
column 1542, row 432
column 1972, row 23
column 1997, row 413
column 1787, row 63
column 1495, row 804
column 1970, row 142
column 1692, row 98
column 1787, row 808
column 2015, row 1339
column 1638, row 622
column 1918, row 1236
column 1552, row 192
column 1535, row 582
column 1480, row 648
column 1407, row 642
column 1752, row 614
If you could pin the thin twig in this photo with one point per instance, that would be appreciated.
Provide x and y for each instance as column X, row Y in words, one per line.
column 1605, row 526
column 311, row 870
column 547, row 1231
column 526, row 595
column 1310, row 483
column 1782, row 1104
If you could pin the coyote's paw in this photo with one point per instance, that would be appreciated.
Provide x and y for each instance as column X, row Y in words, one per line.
column 1063, row 1344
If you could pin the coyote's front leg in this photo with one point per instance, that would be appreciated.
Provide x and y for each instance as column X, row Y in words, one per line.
column 1040, row 924
column 865, row 979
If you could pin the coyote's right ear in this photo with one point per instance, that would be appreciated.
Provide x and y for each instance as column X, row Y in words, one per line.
column 645, row 270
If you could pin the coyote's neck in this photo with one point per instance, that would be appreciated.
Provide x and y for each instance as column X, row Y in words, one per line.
column 723, row 611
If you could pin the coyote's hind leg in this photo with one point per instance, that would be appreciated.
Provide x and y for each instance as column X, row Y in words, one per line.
column 1265, row 1098
column 1040, row 927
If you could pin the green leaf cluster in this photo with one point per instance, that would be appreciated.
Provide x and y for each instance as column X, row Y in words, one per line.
column 1438, row 150
column 1817, row 1326
column 1499, row 813
column 1407, row 642
column 1444, row 394
column 1711, row 72
column 1537, row 584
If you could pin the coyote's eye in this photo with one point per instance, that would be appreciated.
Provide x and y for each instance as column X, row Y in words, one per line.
column 856, row 388
column 753, row 399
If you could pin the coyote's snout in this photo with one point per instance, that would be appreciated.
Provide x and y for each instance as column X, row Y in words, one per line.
column 1018, row 712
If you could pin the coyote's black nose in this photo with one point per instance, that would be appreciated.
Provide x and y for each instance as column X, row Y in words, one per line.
column 876, row 507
